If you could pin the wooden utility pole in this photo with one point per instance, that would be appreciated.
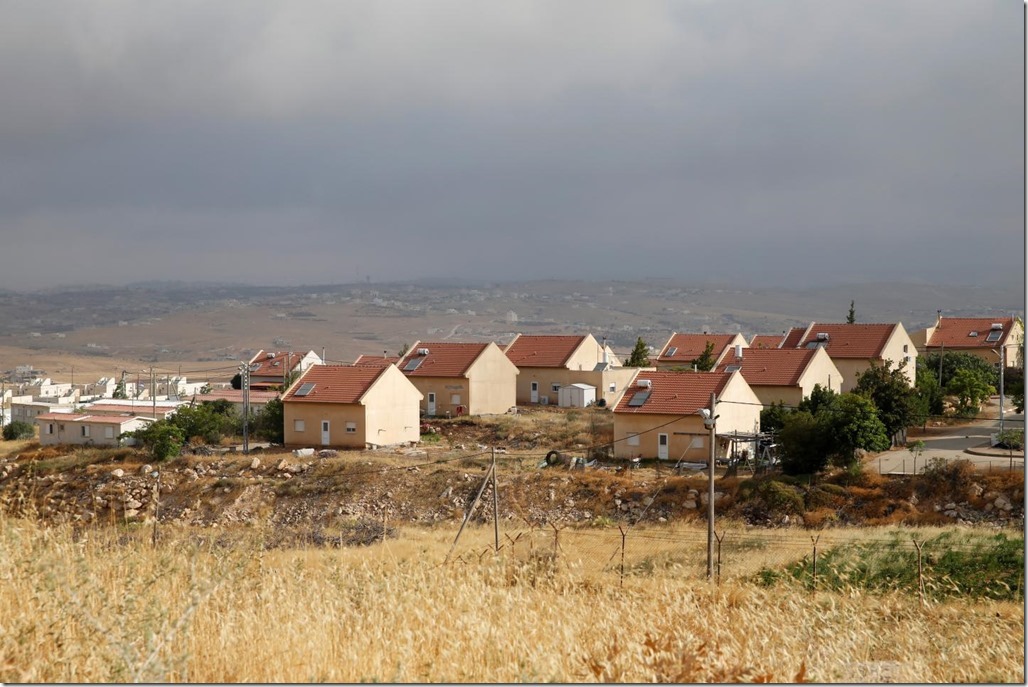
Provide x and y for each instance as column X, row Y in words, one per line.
column 710, row 487
column 496, row 504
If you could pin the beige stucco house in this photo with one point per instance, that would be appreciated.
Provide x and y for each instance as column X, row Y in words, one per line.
column 547, row 363
column 681, row 349
column 349, row 406
column 854, row 348
column 258, row 398
column 85, row 430
column 461, row 378
column 779, row 375
column 659, row 416
column 986, row 337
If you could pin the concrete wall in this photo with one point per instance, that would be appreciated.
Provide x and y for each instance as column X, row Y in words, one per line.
column 391, row 409
column 493, row 383
column 312, row 415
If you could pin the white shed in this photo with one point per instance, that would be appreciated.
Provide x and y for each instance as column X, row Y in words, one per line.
column 576, row 396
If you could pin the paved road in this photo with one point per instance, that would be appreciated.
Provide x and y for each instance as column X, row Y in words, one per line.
column 958, row 442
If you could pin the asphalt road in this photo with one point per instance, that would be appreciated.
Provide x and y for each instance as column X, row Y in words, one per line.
column 969, row 441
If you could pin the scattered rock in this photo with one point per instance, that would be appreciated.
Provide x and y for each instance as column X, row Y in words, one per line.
column 255, row 463
column 117, row 473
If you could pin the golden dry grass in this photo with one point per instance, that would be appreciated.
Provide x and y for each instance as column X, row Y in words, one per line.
column 105, row 605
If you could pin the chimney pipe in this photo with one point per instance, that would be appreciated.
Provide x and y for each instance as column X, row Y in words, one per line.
column 738, row 351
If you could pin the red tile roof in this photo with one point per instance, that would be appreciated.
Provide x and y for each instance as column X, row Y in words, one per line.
column 691, row 346
column 376, row 360
column 674, row 393
column 542, row 350
column 766, row 340
column 955, row 332
column 792, row 339
column 75, row 417
column 851, row 340
column 236, row 396
column 143, row 406
column 771, row 366
column 444, row 359
column 334, row 383
column 265, row 366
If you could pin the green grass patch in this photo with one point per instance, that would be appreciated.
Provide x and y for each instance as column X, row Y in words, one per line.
column 954, row 564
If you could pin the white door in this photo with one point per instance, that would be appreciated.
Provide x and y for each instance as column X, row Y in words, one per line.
column 662, row 446
column 535, row 392
column 324, row 433
column 430, row 404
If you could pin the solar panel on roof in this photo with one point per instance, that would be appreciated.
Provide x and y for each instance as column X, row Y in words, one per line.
column 733, row 368
column 994, row 335
column 638, row 398
column 671, row 351
column 412, row 364
column 305, row 389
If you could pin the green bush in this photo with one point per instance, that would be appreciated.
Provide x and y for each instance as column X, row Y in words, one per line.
column 18, row 430
column 781, row 498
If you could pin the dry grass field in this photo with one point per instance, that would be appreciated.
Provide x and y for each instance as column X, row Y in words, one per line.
column 110, row 605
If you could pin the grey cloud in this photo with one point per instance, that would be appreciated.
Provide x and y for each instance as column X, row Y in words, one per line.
column 804, row 140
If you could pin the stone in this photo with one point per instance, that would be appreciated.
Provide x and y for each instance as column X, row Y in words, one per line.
column 146, row 470
column 689, row 503
column 131, row 513
column 118, row 472
column 977, row 489
column 255, row 463
column 133, row 505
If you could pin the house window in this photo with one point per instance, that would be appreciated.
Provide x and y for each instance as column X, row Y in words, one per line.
column 108, row 432
column 351, row 427
column 555, row 388
column 298, row 426
column 904, row 348
column 85, row 430
column 50, row 428
column 60, row 428
column 613, row 387
column 633, row 440
column 455, row 399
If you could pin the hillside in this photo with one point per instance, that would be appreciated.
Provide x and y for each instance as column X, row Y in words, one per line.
column 354, row 493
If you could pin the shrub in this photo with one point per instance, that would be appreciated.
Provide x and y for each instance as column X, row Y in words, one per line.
column 781, row 498
column 18, row 430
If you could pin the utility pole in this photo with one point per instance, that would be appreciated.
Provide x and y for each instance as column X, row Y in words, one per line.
column 710, row 487
column 153, row 391
column 244, row 374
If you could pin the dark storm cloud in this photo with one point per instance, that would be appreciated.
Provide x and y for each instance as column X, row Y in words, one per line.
column 786, row 142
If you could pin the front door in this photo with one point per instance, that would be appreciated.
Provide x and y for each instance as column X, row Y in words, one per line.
column 535, row 392
column 662, row 446
column 324, row 433
column 430, row 404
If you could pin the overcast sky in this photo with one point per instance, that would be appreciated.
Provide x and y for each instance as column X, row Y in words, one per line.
column 785, row 142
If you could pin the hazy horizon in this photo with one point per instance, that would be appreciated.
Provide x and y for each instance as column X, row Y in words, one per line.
column 786, row 144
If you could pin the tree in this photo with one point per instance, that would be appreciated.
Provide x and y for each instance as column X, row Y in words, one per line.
column 802, row 446
column 851, row 318
column 640, row 356
column 209, row 421
column 404, row 347
column 971, row 390
column 958, row 360
column 772, row 418
column 852, row 424
column 18, row 430
column 161, row 439
column 269, row 423
column 926, row 385
column 705, row 361
column 237, row 381
column 119, row 388
column 820, row 398
column 891, row 393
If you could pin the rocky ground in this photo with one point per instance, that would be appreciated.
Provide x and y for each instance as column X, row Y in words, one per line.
column 355, row 496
